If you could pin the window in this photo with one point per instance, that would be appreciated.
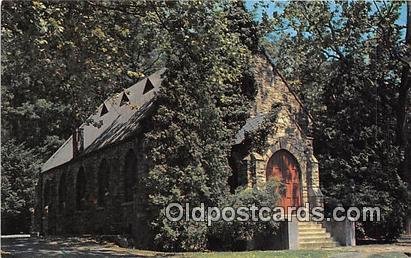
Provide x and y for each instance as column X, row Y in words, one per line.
column 81, row 189
column 104, row 110
column 62, row 192
column 130, row 175
column 124, row 99
column 149, row 86
column 103, row 183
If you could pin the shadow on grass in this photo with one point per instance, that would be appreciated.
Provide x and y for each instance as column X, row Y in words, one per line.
column 68, row 247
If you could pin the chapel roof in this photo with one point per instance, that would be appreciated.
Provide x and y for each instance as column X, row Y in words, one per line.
column 119, row 117
column 119, row 121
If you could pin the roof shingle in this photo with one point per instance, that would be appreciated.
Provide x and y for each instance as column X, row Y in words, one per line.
column 119, row 122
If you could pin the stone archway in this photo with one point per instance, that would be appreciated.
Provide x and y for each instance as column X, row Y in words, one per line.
column 283, row 166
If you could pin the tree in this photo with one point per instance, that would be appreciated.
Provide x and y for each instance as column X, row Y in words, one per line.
column 204, row 98
column 84, row 51
column 20, row 168
column 342, row 59
column 60, row 60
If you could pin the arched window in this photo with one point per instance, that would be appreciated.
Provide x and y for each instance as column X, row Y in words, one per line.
column 130, row 175
column 47, row 193
column 81, row 189
column 103, row 182
column 62, row 192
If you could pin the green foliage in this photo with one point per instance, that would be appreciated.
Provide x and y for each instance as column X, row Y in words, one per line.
column 230, row 235
column 19, row 171
column 60, row 59
column 204, row 99
column 341, row 57
column 258, row 137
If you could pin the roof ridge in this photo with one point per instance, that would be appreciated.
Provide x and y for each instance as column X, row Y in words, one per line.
column 271, row 61
column 118, row 122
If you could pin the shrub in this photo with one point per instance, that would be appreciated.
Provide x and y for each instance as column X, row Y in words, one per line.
column 233, row 235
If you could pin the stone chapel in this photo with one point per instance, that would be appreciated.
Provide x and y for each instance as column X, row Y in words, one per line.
column 90, row 185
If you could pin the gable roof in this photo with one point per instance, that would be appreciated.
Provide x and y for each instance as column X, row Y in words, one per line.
column 251, row 124
column 117, row 121
column 271, row 61
column 254, row 122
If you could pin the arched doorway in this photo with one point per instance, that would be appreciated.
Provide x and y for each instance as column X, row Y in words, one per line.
column 284, row 167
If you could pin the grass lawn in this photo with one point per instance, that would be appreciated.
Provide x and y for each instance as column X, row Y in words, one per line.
column 87, row 247
column 388, row 255
column 285, row 253
column 296, row 254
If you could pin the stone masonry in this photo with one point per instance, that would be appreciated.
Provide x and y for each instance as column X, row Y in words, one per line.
column 64, row 207
column 290, row 132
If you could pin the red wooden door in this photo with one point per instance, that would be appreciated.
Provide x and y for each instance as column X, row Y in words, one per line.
column 284, row 167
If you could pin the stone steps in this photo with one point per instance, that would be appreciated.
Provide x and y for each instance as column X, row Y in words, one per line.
column 303, row 234
column 319, row 238
column 404, row 240
column 312, row 235
column 312, row 230
column 317, row 245
column 310, row 227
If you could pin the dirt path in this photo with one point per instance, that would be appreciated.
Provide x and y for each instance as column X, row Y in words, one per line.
column 362, row 251
column 23, row 246
column 67, row 247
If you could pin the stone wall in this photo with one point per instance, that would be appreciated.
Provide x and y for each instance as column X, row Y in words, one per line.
column 342, row 231
column 120, row 217
column 116, row 216
column 273, row 89
column 289, row 133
